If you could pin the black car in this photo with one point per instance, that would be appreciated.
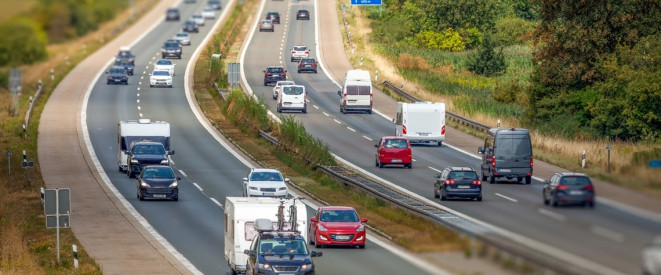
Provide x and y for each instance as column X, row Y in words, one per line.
column 569, row 188
column 190, row 26
column 458, row 182
column 273, row 74
column 117, row 75
column 274, row 16
column 279, row 252
column 172, row 14
column 143, row 153
column 307, row 65
column 303, row 15
column 158, row 182
column 214, row 4
column 128, row 66
column 507, row 153
column 125, row 54
column 171, row 48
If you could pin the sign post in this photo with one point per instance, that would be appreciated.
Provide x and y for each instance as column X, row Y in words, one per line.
column 608, row 168
column 9, row 162
column 57, row 207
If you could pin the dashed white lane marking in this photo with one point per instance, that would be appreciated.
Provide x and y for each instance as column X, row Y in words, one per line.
column 138, row 108
column 140, row 114
column 144, row 72
column 183, row 173
column 506, row 197
column 138, row 94
column 198, row 187
column 434, row 169
column 138, row 88
column 307, row 100
column 338, row 122
column 367, row 138
column 325, row 113
column 147, row 67
column 315, row 106
column 553, row 215
column 153, row 57
column 139, row 82
column 142, row 77
column 351, row 129
column 138, row 100
column 607, row 233
column 218, row 203
column 413, row 160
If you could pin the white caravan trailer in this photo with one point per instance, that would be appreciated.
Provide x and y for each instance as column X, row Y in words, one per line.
column 240, row 216
column 421, row 122
column 356, row 93
column 142, row 129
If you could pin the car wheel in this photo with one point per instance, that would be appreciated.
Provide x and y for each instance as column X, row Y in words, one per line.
column 528, row 179
column 291, row 59
column 305, row 109
column 409, row 165
column 275, row 97
column 361, row 246
column 518, row 180
column 170, row 86
column 555, row 202
column 380, row 164
column 443, row 197
column 492, row 179
column 370, row 111
column 546, row 201
column 175, row 198
column 316, row 245
column 131, row 175
column 266, row 83
column 478, row 198
column 140, row 197
column 278, row 108
column 435, row 194
column 162, row 56
column 591, row 204
column 299, row 71
column 440, row 143
column 151, row 86
column 484, row 178
column 315, row 71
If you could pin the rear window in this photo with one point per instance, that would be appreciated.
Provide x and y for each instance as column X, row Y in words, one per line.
column 463, row 175
column 395, row 143
column 293, row 90
column 117, row 70
column 308, row 60
column 575, row 181
column 358, row 90
column 266, row 176
column 300, row 48
column 275, row 70
column 339, row 216
column 513, row 145
column 282, row 83
column 164, row 62
column 161, row 73
column 171, row 45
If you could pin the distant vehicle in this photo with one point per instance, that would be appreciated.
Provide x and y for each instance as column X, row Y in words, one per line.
column 190, row 26
column 569, row 188
column 214, row 4
column 171, row 48
column 189, row 1
column 183, row 38
column 208, row 13
column 198, row 19
column 356, row 93
column 274, row 16
column 164, row 65
column 130, row 131
column 158, row 182
column 160, row 78
column 273, row 74
column 278, row 85
column 393, row 150
column 337, row 226
column 458, row 182
column 144, row 152
column 241, row 232
column 292, row 97
column 172, row 14
column 265, row 183
column 117, row 75
column 652, row 257
column 266, row 25
column 506, row 153
column 298, row 52
column 303, row 15
column 127, row 65
column 125, row 54
column 421, row 122
column 307, row 65
column 278, row 252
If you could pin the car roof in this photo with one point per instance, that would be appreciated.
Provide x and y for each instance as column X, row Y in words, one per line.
column 275, row 66
column 571, row 174
column 166, row 71
column 158, row 166
column 393, row 137
column 461, row 169
column 125, row 48
column 118, row 67
column 337, row 208
column 264, row 170
column 141, row 142
column 273, row 12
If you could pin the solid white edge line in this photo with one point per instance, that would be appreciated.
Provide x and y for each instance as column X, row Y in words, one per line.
column 552, row 214
column 506, row 197
column 106, row 180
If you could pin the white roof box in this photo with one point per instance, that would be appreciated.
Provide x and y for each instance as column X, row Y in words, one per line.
column 124, row 49
column 144, row 121
column 262, row 225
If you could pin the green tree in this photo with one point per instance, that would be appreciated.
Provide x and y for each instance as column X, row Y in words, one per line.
column 21, row 42
column 487, row 60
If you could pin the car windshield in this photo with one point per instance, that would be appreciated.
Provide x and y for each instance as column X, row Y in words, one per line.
column 282, row 83
column 265, row 176
column 182, row 35
column 117, row 70
column 396, row 143
column 161, row 73
column 266, row 22
column 207, row 10
column 190, row 23
column 300, row 48
column 164, row 62
column 339, row 216
column 171, row 45
column 275, row 70
column 469, row 175
column 292, row 90
column 283, row 246
column 198, row 16
column 149, row 149
column 575, row 181
column 308, row 60
column 124, row 54
column 160, row 172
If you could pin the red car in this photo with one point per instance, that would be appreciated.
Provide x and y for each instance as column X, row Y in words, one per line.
column 393, row 150
column 337, row 225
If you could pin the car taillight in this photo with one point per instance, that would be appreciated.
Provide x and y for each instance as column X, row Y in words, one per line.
column 449, row 182
column 493, row 162
column 443, row 130
column 371, row 98
column 307, row 52
column 562, row 187
column 588, row 187
column 530, row 161
column 282, row 73
column 477, row 182
column 404, row 129
column 267, row 73
column 293, row 52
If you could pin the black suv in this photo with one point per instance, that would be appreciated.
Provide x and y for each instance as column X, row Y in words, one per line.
column 172, row 14
column 274, row 16
column 171, row 48
column 307, row 64
column 303, row 14
column 146, row 153
column 158, row 182
column 128, row 66
column 507, row 153
column 125, row 54
column 569, row 188
column 117, row 75
column 279, row 252
column 190, row 26
column 273, row 74
column 458, row 182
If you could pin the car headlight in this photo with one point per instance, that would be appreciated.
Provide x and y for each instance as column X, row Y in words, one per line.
column 253, row 188
column 282, row 188
column 360, row 228
column 174, row 184
column 264, row 266
column 306, row 267
column 144, row 184
column 165, row 161
column 321, row 228
column 108, row 78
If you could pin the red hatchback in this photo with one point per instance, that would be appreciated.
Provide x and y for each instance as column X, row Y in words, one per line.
column 337, row 225
column 393, row 150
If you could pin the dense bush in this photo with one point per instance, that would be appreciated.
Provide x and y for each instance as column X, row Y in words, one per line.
column 21, row 42
column 488, row 60
column 67, row 19
column 511, row 31
column 448, row 40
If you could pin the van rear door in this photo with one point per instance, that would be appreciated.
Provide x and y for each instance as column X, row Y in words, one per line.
column 512, row 153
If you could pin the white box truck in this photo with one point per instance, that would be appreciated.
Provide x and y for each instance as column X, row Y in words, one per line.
column 356, row 93
column 421, row 122
column 240, row 216
column 130, row 131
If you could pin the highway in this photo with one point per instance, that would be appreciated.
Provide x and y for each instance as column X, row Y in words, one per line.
column 194, row 225
column 607, row 236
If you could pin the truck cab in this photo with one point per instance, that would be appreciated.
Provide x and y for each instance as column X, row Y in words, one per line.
column 143, row 153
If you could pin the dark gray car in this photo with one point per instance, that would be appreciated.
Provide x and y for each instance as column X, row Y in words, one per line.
column 458, row 182
column 507, row 153
column 569, row 188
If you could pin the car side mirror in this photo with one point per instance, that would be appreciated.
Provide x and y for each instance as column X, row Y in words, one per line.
column 178, row 178
column 264, row 71
column 376, row 145
column 127, row 152
column 285, row 71
column 546, row 182
column 245, row 179
column 249, row 252
column 437, row 176
column 316, row 254
column 313, row 219
column 286, row 179
column 339, row 93
column 107, row 72
column 171, row 152
column 363, row 220
column 480, row 150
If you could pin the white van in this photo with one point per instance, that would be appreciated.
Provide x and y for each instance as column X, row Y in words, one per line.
column 240, row 216
column 421, row 122
column 356, row 93
column 292, row 97
column 130, row 131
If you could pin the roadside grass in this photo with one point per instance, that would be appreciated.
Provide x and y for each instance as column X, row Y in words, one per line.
column 445, row 78
column 18, row 7
column 26, row 245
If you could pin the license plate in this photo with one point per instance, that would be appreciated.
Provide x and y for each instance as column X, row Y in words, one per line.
column 159, row 196
column 575, row 192
column 505, row 170
column 396, row 160
column 423, row 134
column 352, row 101
column 342, row 237
column 308, row 66
column 267, row 194
column 463, row 187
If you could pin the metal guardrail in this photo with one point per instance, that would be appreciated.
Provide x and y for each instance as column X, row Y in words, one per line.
column 32, row 100
column 459, row 119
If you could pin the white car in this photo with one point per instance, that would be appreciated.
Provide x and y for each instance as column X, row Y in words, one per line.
column 298, row 52
column 208, row 13
column 278, row 86
column 292, row 97
column 262, row 182
column 160, row 78
column 652, row 257
column 198, row 19
column 183, row 38
column 164, row 65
